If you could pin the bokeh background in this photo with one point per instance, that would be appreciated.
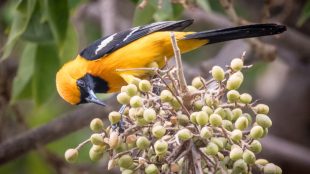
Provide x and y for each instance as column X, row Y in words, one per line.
column 38, row 36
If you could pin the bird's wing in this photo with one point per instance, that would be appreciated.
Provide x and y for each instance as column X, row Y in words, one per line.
column 107, row 45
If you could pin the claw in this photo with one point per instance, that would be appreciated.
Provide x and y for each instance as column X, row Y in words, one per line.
column 120, row 124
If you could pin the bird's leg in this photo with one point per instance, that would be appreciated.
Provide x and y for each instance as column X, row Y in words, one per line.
column 120, row 123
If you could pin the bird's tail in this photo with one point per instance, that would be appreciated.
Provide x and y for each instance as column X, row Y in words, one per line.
column 241, row 32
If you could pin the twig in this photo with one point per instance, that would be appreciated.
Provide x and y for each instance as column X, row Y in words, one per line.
column 82, row 144
column 143, row 4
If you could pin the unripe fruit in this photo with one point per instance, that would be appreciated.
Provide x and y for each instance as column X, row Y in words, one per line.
column 270, row 169
column 224, row 140
column 71, row 155
column 151, row 169
column 183, row 120
column 185, row 134
column 239, row 166
column 175, row 103
column 215, row 120
column 211, row 149
column 238, row 74
column 114, row 117
column 149, row 115
column 245, row 98
column 228, row 114
column 197, row 82
column 123, row 89
column 96, row 125
column 161, row 155
column 233, row 95
column 236, row 114
column 132, row 113
column 193, row 117
column 249, row 157
column 96, row 139
column 279, row 170
column 263, row 120
column 136, row 102
column 236, row 64
column 99, row 148
column 248, row 117
column 122, row 147
column 208, row 100
column 127, row 171
column 132, row 145
column 261, row 109
column 144, row 85
column 208, row 110
column 151, row 65
column 256, row 132
column 143, row 143
column 135, row 81
column 113, row 141
column 221, row 156
column 131, row 90
column 265, row 132
column 131, row 139
column 218, row 73
column 123, row 98
column 241, row 123
column 139, row 113
column 236, row 135
column 159, row 131
column 256, row 147
column 227, row 125
column 202, row 118
column 220, row 112
column 191, row 89
column 233, row 83
column 141, row 122
column 166, row 96
column 161, row 146
column 218, row 142
column 125, row 161
column 236, row 153
column 198, row 105
column 95, row 156
column 126, row 111
column 206, row 132
column 262, row 162
column 197, row 141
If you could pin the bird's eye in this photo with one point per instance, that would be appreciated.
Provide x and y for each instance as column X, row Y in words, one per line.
column 81, row 83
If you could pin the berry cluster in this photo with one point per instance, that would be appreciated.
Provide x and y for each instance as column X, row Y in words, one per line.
column 185, row 130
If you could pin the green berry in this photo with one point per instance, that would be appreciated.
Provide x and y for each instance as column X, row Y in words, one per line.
column 207, row 109
column 211, row 149
column 236, row 114
column 131, row 90
column 114, row 117
column 191, row 88
column 261, row 109
column 227, row 125
column 236, row 64
column 241, row 123
column 262, row 162
column 185, row 134
column 197, row 82
column 263, row 120
column 256, row 147
column 96, row 139
column 270, row 169
column 220, row 112
column 218, row 142
column 123, row 98
column 248, row 117
column 149, row 115
column 144, row 85
column 198, row 105
column 193, row 117
column 125, row 161
column 159, row 131
column 96, row 125
column 256, row 132
column 151, row 65
column 71, row 155
column 202, row 118
column 135, row 81
column 233, row 83
column 218, row 73
column 95, row 156
column 151, row 169
column 236, row 153
column 166, row 96
column 233, row 95
column 161, row 146
column 99, row 148
column 249, row 157
column 245, row 98
column 175, row 103
column 183, row 120
column 143, row 143
column 236, row 135
column 136, row 102
column 215, row 120
column 239, row 166
column 206, row 133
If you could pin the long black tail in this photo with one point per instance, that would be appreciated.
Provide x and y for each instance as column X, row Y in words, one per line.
column 241, row 32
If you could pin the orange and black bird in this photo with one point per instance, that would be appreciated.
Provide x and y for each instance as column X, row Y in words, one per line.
column 94, row 69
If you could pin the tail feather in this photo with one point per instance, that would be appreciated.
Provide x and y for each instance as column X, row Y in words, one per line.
column 241, row 32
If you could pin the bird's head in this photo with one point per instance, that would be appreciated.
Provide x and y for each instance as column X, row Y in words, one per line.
column 75, row 85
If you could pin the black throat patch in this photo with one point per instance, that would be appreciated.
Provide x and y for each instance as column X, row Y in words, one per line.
column 95, row 83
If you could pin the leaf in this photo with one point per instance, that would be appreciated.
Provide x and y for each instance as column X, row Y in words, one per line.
column 143, row 16
column 204, row 4
column 20, row 21
column 70, row 45
column 305, row 14
column 177, row 11
column 57, row 14
column 46, row 67
column 38, row 30
column 165, row 13
column 24, row 73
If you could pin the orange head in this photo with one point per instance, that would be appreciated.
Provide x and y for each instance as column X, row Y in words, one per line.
column 76, row 86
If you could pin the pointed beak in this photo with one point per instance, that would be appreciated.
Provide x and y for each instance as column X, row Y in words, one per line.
column 93, row 99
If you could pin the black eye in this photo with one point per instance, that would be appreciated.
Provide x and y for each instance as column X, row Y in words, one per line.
column 81, row 83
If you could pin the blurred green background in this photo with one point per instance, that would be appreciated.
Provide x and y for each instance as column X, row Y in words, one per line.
column 37, row 37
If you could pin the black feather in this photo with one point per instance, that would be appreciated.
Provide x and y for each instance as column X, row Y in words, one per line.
column 241, row 32
column 125, row 37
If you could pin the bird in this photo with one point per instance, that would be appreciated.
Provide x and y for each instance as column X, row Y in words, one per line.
column 94, row 69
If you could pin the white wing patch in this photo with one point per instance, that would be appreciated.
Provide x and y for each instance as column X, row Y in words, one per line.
column 105, row 42
column 133, row 30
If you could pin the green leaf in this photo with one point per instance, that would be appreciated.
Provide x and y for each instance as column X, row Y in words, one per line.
column 305, row 14
column 72, row 4
column 163, row 14
column 57, row 14
column 46, row 67
column 145, row 15
column 204, row 4
column 21, row 18
column 70, row 45
column 177, row 10
column 24, row 73
column 38, row 30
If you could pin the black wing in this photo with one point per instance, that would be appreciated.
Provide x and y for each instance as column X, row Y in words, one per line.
column 107, row 45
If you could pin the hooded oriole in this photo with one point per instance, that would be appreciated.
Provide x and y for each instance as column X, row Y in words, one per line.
column 94, row 69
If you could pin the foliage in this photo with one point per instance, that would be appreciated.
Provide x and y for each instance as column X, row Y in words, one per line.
column 305, row 14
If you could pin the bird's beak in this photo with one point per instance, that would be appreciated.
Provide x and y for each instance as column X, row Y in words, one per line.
column 93, row 99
